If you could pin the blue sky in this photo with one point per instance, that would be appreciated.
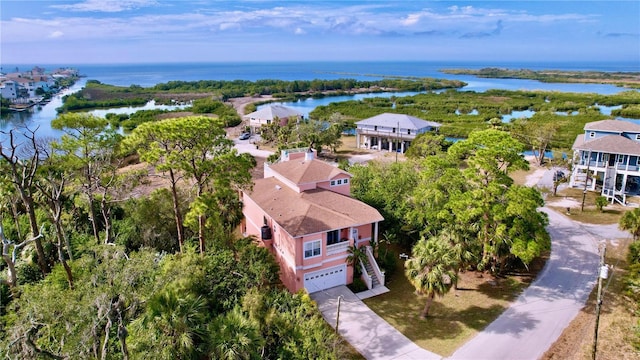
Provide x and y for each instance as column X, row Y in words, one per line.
column 125, row 31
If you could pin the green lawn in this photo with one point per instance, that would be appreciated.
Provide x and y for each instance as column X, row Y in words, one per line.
column 453, row 319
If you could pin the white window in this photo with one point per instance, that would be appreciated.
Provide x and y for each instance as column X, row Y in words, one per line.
column 592, row 134
column 312, row 249
column 637, row 136
column 339, row 182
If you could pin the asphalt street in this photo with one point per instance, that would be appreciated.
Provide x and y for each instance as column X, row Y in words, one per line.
column 540, row 314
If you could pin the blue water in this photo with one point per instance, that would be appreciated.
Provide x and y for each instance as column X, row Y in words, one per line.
column 147, row 75
column 517, row 115
column 150, row 74
column 305, row 106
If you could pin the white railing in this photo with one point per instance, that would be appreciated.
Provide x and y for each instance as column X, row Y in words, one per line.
column 366, row 277
column 592, row 163
column 338, row 248
column 379, row 273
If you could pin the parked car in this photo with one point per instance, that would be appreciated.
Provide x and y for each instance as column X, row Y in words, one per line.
column 244, row 136
column 558, row 176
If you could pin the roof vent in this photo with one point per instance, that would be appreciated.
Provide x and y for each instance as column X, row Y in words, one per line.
column 278, row 187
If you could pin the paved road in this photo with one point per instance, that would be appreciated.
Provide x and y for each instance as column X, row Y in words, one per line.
column 538, row 317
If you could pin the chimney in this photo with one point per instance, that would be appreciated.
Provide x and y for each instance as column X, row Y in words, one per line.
column 309, row 155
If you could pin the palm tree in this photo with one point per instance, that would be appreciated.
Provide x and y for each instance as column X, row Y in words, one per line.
column 234, row 336
column 461, row 242
column 431, row 269
column 631, row 221
column 356, row 255
column 175, row 323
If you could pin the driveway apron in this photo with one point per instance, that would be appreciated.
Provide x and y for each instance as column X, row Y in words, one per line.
column 367, row 332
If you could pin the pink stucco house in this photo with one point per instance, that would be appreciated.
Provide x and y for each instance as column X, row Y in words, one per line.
column 303, row 212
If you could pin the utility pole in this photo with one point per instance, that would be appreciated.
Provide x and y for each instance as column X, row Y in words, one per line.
column 603, row 273
column 338, row 314
column 397, row 135
column 586, row 177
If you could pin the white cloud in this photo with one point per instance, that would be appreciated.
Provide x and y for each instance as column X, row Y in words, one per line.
column 229, row 26
column 106, row 5
column 244, row 21
column 411, row 19
column 56, row 34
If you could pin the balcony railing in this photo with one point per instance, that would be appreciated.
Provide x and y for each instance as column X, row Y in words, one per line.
column 592, row 163
column 338, row 248
column 627, row 168
column 602, row 164
column 388, row 134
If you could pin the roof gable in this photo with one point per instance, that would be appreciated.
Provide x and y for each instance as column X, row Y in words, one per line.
column 301, row 171
column 274, row 111
column 312, row 211
column 402, row 121
column 614, row 144
column 618, row 126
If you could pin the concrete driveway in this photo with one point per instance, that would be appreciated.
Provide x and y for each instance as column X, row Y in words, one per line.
column 373, row 337
column 248, row 146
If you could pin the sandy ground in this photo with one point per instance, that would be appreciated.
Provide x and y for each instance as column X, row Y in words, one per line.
column 241, row 103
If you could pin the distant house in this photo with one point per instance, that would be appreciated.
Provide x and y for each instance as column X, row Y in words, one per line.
column 303, row 213
column 44, row 82
column 26, row 87
column 609, row 153
column 392, row 132
column 9, row 89
column 268, row 114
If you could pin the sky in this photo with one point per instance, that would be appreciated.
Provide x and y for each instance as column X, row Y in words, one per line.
column 158, row 31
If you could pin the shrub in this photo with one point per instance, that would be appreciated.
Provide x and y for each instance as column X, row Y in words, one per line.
column 633, row 257
column 601, row 202
column 357, row 285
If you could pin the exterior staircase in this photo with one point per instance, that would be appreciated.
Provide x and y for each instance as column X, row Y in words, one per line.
column 374, row 279
column 373, row 270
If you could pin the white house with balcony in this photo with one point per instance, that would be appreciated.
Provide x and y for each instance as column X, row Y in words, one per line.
column 607, row 158
column 269, row 114
column 391, row 132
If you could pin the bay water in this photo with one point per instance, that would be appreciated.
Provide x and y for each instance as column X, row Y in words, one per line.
column 147, row 75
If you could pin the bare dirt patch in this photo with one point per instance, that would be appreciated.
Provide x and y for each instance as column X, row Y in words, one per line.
column 241, row 103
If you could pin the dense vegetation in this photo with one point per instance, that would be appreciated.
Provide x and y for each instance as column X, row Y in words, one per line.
column 457, row 209
column 95, row 266
column 630, row 221
column 464, row 112
column 98, row 95
column 281, row 88
column 225, row 114
column 4, row 106
column 627, row 79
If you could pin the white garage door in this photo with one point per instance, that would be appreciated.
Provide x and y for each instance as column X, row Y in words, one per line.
column 324, row 279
